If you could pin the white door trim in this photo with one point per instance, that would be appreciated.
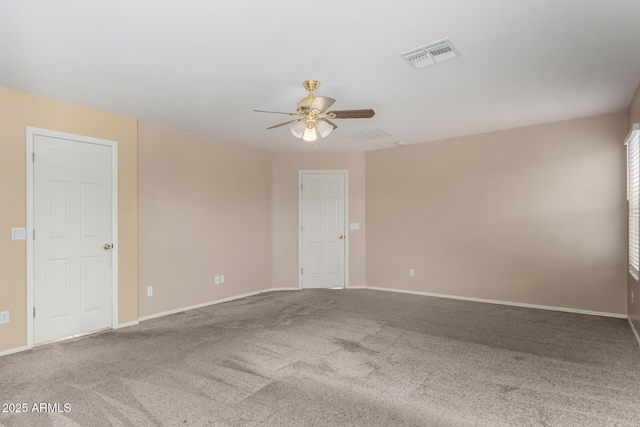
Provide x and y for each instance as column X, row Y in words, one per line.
column 31, row 132
column 346, row 222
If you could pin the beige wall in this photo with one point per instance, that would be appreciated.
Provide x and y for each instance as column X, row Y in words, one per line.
column 534, row 215
column 18, row 110
column 285, row 167
column 205, row 210
column 531, row 215
column 633, row 286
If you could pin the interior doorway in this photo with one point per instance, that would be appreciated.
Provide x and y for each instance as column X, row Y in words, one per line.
column 323, row 237
column 72, row 235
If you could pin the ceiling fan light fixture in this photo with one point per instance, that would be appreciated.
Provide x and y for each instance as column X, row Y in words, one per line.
column 324, row 128
column 310, row 134
column 298, row 129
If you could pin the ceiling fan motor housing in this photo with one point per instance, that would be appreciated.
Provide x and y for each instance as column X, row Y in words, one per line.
column 305, row 103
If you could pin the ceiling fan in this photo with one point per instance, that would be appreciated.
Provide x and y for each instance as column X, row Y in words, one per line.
column 311, row 119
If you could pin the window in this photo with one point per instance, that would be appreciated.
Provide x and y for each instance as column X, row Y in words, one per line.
column 633, row 196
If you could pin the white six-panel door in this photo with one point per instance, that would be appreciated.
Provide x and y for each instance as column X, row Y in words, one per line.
column 323, row 235
column 72, row 220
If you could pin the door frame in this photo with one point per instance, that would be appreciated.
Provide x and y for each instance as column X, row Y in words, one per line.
column 345, row 173
column 31, row 132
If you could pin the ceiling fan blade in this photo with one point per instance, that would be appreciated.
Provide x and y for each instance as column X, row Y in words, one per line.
column 275, row 112
column 282, row 124
column 321, row 103
column 352, row 114
column 335, row 126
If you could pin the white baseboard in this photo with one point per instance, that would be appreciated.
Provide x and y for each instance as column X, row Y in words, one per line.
column 514, row 304
column 193, row 307
column 635, row 332
column 127, row 324
column 429, row 294
column 13, row 350
column 208, row 303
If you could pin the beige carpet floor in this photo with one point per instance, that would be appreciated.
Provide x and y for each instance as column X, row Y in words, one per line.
column 336, row 358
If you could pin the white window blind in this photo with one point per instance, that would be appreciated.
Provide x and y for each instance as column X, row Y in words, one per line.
column 633, row 196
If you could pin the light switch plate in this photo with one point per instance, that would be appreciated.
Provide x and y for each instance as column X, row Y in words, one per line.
column 221, row 278
column 216, row 280
column 354, row 226
column 18, row 233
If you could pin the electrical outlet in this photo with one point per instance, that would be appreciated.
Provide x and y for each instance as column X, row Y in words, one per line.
column 149, row 291
column 222, row 278
column 4, row 317
column 631, row 297
column 217, row 280
column 412, row 272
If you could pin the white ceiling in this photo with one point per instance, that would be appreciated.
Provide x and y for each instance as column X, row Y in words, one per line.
column 203, row 65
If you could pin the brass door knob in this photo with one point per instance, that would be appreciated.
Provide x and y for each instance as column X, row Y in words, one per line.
column 107, row 246
column 340, row 236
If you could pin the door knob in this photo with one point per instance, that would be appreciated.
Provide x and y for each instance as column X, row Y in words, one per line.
column 340, row 236
column 107, row 246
